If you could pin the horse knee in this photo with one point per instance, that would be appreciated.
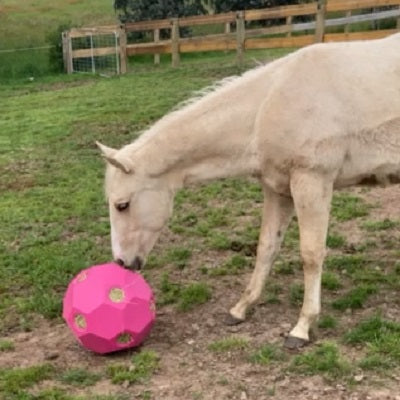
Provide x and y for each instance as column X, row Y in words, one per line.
column 312, row 258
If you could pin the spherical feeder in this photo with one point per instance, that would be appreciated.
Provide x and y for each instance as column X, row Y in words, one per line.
column 109, row 308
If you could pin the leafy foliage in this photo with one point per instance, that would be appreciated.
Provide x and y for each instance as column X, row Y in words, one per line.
column 139, row 10
column 235, row 5
column 54, row 39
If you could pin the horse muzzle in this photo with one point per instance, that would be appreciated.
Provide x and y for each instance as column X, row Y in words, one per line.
column 136, row 265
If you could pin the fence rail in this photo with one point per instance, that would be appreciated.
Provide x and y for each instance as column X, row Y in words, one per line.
column 239, row 35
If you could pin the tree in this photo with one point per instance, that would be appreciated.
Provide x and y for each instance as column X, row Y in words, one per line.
column 235, row 5
column 139, row 10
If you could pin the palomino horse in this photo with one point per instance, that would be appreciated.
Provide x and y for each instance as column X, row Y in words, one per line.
column 324, row 117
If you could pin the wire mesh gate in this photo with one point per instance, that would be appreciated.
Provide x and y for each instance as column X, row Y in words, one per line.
column 95, row 50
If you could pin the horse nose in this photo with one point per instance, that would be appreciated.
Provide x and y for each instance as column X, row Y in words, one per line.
column 120, row 262
column 137, row 264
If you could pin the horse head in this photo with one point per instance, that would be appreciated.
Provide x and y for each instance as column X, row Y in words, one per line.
column 139, row 207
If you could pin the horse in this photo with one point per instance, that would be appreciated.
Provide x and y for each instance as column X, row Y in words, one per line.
column 326, row 116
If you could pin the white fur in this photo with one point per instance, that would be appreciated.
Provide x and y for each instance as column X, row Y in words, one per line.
column 325, row 116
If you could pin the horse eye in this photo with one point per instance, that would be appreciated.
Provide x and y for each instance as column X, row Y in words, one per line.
column 122, row 206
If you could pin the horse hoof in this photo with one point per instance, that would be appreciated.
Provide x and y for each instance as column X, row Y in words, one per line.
column 295, row 343
column 232, row 321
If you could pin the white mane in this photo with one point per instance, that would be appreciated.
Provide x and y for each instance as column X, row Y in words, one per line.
column 215, row 89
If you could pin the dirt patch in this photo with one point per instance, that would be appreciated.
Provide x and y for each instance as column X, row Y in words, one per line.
column 386, row 199
column 9, row 9
column 63, row 85
column 17, row 176
column 190, row 370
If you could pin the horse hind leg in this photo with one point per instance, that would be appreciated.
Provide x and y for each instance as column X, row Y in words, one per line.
column 312, row 196
column 277, row 214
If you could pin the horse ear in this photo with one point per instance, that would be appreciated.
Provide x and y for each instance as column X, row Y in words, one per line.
column 118, row 160
column 107, row 152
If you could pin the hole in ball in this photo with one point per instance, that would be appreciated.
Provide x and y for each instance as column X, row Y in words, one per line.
column 81, row 277
column 80, row 321
column 124, row 338
column 116, row 295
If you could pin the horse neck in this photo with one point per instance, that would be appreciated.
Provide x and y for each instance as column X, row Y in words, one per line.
column 212, row 138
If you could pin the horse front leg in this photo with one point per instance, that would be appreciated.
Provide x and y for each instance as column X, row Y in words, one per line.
column 277, row 214
column 312, row 195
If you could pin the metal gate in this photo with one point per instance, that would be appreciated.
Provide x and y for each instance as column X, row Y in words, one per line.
column 94, row 50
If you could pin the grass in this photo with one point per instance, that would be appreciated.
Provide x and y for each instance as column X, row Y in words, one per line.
column 375, row 328
column 6, row 345
column 140, row 369
column 335, row 241
column 346, row 263
column 267, row 354
column 287, row 267
column 273, row 292
column 330, row 281
column 296, row 293
column 55, row 222
column 355, row 298
column 324, row 360
column 13, row 382
column 169, row 291
column 42, row 248
column 327, row 322
column 178, row 256
column 386, row 224
column 232, row 266
column 193, row 295
column 79, row 377
column 346, row 207
column 32, row 24
column 381, row 338
column 375, row 362
column 29, row 23
column 185, row 297
column 229, row 344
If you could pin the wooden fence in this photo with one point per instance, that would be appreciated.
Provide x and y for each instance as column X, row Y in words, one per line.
column 240, row 35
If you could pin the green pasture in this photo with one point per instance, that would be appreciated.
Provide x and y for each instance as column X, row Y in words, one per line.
column 54, row 222
column 28, row 23
column 34, row 24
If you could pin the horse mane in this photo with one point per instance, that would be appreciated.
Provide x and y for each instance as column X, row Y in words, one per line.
column 201, row 93
column 197, row 97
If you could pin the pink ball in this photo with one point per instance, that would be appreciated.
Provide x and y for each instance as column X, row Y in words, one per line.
column 109, row 308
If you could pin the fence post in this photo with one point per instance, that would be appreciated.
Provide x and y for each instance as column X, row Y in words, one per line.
column 122, row 49
column 347, row 26
column 175, row 42
column 156, row 40
column 240, row 36
column 289, row 21
column 67, row 52
column 398, row 22
column 320, row 21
